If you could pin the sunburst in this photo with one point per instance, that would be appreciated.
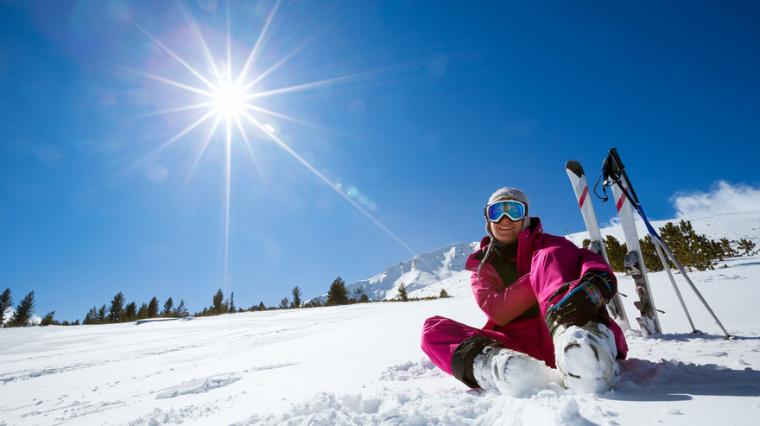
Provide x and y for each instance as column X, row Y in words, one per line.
column 229, row 103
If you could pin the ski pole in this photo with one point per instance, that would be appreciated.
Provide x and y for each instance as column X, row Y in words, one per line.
column 683, row 272
column 666, row 265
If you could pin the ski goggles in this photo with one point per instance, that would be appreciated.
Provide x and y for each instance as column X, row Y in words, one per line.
column 514, row 210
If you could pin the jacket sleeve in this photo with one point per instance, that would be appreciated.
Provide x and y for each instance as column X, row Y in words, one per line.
column 500, row 304
column 591, row 261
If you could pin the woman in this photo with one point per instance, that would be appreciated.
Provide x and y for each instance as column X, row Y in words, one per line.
column 545, row 302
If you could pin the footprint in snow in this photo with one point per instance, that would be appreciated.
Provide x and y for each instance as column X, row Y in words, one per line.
column 197, row 386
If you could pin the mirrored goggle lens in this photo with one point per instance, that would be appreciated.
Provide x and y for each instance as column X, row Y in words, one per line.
column 514, row 210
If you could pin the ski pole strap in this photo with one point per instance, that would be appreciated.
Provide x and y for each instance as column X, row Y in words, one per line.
column 604, row 197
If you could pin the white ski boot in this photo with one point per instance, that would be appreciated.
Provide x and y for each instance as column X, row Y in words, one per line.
column 586, row 357
column 510, row 372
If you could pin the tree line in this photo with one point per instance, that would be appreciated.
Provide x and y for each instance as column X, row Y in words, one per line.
column 691, row 249
column 118, row 310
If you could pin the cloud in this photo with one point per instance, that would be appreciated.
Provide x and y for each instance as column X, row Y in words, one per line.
column 722, row 198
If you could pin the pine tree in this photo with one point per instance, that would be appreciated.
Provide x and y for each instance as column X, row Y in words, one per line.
column 232, row 303
column 181, row 310
column 728, row 249
column 678, row 241
column 24, row 311
column 168, row 305
column 698, row 248
column 615, row 253
column 649, row 253
column 691, row 249
column 296, row 297
column 48, row 319
column 402, row 292
column 153, row 308
column 142, row 313
column 262, row 306
column 101, row 314
column 130, row 312
column 443, row 294
column 75, row 322
column 363, row 298
column 116, row 312
column 284, row 303
column 337, row 295
column 746, row 246
column 92, row 316
column 5, row 302
column 217, row 302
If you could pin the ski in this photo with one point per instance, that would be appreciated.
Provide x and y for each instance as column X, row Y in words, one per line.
column 580, row 186
column 634, row 261
column 627, row 201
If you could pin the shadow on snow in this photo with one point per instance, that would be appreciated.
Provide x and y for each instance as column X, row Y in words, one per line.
column 642, row 380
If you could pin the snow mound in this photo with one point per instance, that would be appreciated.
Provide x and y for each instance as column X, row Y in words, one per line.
column 411, row 370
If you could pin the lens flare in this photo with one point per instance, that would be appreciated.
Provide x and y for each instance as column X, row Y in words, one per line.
column 229, row 102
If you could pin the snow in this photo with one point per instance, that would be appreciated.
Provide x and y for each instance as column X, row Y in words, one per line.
column 362, row 364
column 8, row 315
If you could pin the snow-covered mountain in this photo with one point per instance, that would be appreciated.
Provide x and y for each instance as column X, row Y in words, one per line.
column 424, row 275
column 8, row 315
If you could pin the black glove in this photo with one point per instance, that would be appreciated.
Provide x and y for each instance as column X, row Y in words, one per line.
column 583, row 303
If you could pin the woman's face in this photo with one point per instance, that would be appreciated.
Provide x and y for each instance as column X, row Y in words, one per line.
column 505, row 230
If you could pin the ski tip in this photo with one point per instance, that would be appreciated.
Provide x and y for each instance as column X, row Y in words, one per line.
column 574, row 167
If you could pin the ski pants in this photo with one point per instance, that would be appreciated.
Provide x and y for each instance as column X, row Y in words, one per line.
column 550, row 270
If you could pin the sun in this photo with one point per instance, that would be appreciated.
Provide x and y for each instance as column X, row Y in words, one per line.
column 228, row 101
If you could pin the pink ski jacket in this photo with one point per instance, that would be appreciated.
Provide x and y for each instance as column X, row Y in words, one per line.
column 503, row 304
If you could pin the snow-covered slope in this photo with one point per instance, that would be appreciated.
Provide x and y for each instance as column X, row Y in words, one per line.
column 362, row 364
column 729, row 225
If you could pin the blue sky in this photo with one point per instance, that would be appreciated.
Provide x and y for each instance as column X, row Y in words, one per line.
column 456, row 101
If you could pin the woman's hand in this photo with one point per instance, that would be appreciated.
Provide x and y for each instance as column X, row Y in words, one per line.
column 583, row 302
